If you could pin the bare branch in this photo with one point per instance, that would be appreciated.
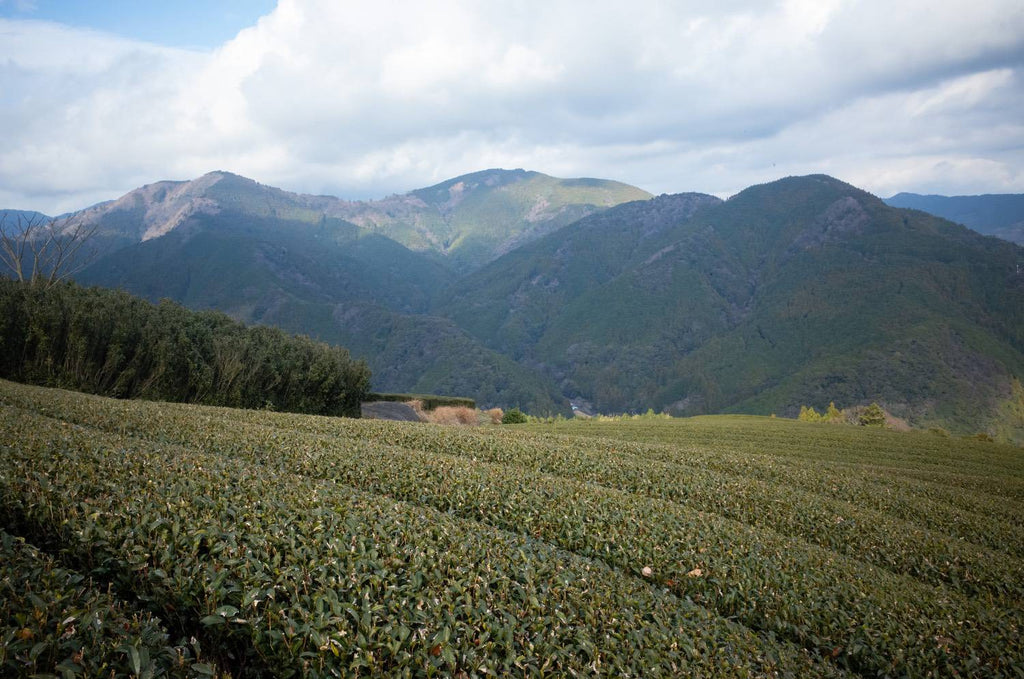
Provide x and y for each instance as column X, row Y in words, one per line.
column 67, row 246
column 11, row 248
column 44, row 252
column 16, row 240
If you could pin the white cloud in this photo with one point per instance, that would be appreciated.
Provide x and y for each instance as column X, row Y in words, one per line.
column 362, row 99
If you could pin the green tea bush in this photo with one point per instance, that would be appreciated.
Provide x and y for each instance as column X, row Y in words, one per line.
column 56, row 622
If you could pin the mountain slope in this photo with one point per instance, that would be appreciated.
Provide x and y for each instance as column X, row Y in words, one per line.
column 430, row 354
column 1000, row 215
column 510, row 303
column 241, row 264
column 804, row 290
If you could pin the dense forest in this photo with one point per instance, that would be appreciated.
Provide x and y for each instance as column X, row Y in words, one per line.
column 111, row 343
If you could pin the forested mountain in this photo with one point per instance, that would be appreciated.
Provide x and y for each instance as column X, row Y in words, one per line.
column 1000, row 215
column 303, row 262
column 801, row 291
column 804, row 290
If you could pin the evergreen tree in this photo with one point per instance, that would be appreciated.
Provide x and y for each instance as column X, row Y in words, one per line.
column 873, row 416
column 808, row 414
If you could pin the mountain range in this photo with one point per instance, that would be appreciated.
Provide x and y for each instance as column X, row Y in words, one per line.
column 999, row 215
column 520, row 289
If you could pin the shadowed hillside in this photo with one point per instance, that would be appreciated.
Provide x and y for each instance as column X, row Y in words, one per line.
column 804, row 290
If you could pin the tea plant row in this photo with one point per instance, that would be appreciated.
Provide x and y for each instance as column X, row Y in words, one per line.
column 869, row 619
column 884, row 539
column 288, row 574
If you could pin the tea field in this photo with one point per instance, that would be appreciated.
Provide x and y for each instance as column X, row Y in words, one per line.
column 154, row 539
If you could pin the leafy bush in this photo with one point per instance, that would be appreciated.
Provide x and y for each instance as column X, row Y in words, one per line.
column 54, row 620
column 514, row 416
column 834, row 415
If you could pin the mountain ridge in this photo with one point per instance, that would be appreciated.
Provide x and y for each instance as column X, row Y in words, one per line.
column 442, row 220
column 993, row 214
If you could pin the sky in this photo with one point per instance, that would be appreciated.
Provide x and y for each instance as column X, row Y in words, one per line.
column 362, row 99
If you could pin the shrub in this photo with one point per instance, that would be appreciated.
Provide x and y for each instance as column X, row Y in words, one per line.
column 445, row 414
column 873, row 416
column 426, row 401
column 452, row 415
column 496, row 415
column 514, row 416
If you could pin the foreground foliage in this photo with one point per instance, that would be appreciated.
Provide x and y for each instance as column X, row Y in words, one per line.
column 719, row 547
column 54, row 620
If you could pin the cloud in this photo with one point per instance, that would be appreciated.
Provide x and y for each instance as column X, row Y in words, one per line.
column 362, row 99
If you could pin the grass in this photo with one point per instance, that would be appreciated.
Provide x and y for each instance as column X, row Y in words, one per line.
column 716, row 546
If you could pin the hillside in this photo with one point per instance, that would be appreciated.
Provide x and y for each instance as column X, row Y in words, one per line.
column 804, row 290
column 10, row 219
column 268, row 544
column 259, row 268
column 1000, row 215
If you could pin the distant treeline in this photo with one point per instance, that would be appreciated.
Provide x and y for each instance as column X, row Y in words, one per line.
column 111, row 343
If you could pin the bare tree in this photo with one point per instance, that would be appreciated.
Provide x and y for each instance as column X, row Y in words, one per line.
column 44, row 251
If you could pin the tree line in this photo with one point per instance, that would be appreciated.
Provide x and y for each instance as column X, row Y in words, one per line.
column 110, row 343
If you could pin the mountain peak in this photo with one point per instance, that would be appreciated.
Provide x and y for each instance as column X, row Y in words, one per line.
column 470, row 219
column 483, row 179
column 806, row 191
